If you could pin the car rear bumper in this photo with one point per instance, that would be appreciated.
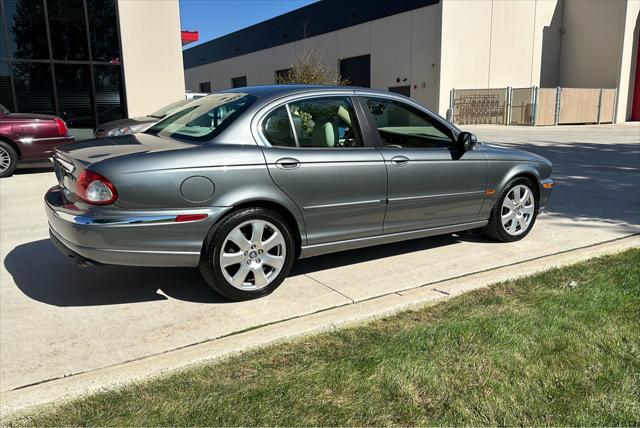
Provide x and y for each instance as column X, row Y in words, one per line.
column 140, row 238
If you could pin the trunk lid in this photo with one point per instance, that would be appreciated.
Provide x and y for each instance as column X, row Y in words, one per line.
column 71, row 159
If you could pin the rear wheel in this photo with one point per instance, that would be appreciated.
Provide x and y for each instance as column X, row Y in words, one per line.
column 8, row 159
column 248, row 254
column 513, row 216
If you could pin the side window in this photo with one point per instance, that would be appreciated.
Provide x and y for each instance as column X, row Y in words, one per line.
column 402, row 125
column 277, row 128
column 325, row 122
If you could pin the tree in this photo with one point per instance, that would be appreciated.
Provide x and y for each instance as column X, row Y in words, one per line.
column 309, row 69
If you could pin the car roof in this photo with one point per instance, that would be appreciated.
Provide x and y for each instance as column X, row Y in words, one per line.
column 276, row 91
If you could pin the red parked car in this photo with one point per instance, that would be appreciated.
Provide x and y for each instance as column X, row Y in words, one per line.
column 28, row 137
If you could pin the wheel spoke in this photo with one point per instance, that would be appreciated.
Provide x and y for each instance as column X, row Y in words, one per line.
column 509, row 216
column 523, row 224
column 275, row 262
column 240, row 276
column 508, row 203
column 274, row 240
column 230, row 259
column 256, row 232
column 527, row 210
column 525, row 196
column 512, row 228
column 259, row 276
column 239, row 239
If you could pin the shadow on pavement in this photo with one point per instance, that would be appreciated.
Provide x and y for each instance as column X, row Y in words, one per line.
column 593, row 181
column 41, row 272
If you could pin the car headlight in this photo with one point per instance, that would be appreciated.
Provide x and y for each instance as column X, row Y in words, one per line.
column 119, row 131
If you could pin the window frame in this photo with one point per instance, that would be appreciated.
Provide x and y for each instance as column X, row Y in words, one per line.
column 362, row 121
column 439, row 122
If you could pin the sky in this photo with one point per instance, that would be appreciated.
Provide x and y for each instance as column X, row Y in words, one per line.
column 215, row 18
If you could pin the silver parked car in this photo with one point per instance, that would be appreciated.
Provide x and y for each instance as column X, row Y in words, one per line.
column 133, row 125
column 243, row 182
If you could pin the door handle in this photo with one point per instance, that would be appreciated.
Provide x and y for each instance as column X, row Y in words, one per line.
column 287, row 163
column 400, row 160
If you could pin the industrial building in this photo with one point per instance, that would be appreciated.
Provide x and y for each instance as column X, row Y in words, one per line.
column 426, row 48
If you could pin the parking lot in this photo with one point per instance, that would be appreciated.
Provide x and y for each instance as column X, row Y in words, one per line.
column 57, row 319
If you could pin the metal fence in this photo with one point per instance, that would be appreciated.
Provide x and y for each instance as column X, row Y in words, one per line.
column 532, row 106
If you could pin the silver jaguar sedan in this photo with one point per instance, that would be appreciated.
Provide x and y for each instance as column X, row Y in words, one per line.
column 243, row 182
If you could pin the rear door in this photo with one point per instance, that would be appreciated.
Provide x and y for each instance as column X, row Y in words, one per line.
column 431, row 183
column 317, row 155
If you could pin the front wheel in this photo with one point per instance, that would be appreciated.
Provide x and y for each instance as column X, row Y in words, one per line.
column 8, row 159
column 513, row 216
column 248, row 254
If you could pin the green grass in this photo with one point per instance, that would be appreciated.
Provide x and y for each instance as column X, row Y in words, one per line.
column 535, row 351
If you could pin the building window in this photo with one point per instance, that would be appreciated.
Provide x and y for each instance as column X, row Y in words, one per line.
column 239, row 82
column 26, row 29
column 205, row 87
column 103, row 29
column 68, row 30
column 6, row 96
column 109, row 93
column 357, row 70
column 282, row 75
column 34, row 88
column 49, row 66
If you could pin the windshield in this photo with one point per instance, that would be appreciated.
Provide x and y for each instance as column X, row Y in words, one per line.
column 168, row 109
column 3, row 109
column 204, row 118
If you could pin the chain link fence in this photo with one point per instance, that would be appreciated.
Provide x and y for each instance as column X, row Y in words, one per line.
column 532, row 106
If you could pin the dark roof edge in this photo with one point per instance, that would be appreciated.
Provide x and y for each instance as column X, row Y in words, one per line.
column 313, row 20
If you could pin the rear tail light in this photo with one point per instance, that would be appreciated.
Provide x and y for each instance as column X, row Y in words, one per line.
column 62, row 127
column 93, row 188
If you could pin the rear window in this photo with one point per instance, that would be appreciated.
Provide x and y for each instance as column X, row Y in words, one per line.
column 204, row 118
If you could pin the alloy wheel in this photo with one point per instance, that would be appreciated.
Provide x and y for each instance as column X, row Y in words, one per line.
column 252, row 255
column 5, row 160
column 518, row 209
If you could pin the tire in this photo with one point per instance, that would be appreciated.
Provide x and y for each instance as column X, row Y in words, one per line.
column 255, row 266
column 514, row 230
column 8, row 159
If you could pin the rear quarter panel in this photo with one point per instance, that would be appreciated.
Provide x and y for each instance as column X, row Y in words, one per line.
column 154, row 181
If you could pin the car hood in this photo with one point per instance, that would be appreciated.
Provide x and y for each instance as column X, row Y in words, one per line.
column 497, row 152
column 130, row 122
column 87, row 152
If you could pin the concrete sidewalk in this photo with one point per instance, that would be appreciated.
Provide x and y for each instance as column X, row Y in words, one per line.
column 64, row 330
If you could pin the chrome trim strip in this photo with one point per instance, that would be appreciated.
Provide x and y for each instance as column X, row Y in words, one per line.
column 173, row 253
column 85, row 220
column 376, row 202
column 32, row 139
column 440, row 195
column 350, row 244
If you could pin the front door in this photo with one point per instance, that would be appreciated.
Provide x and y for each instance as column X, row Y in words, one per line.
column 431, row 183
column 318, row 157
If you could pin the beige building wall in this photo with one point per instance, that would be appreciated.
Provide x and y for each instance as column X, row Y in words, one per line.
column 404, row 49
column 151, row 54
column 599, row 47
column 590, row 58
column 495, row 43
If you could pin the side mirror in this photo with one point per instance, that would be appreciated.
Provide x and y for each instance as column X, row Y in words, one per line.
column 466, row 140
